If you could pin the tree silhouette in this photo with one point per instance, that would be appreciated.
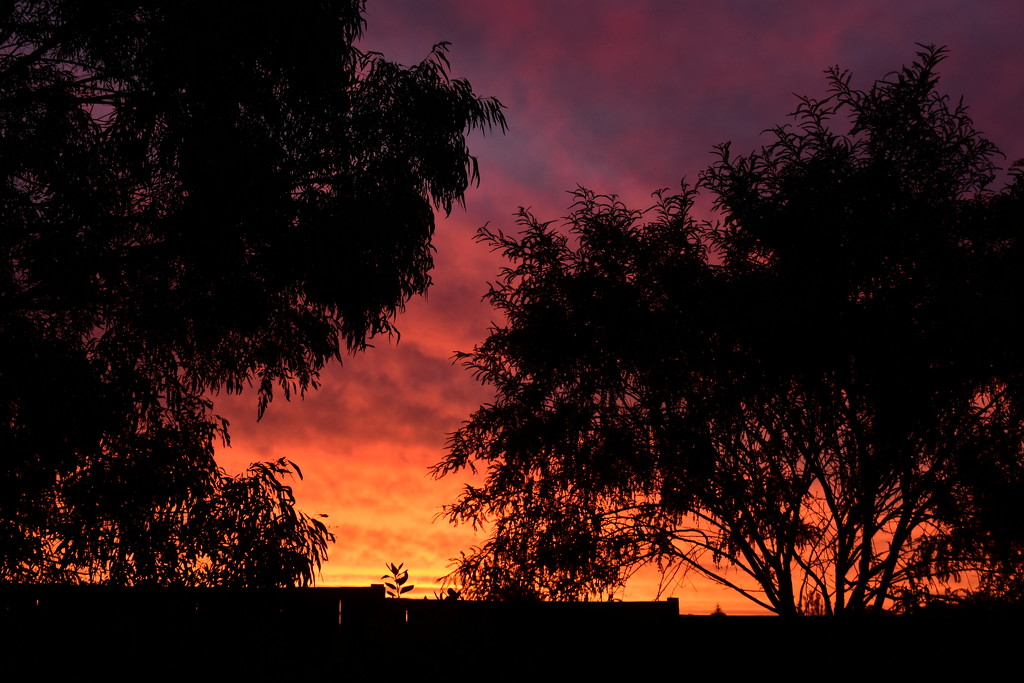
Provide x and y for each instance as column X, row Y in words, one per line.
column 133, row 521
column 814, row 401
column 197, row 199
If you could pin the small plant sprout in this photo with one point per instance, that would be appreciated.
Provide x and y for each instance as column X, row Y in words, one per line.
column 448, row 594
column 395, row 581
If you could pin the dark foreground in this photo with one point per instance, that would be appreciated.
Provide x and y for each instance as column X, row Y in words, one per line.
column 357, row 634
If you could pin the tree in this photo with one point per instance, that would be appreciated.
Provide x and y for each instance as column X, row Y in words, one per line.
column 794, row 401
column 197, row 199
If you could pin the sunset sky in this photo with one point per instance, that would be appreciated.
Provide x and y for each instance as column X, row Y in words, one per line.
column 620, row 97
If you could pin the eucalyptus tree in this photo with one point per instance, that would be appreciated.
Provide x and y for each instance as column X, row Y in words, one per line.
column 814, row 400
column 197, row 198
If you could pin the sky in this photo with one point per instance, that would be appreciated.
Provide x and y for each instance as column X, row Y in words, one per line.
column 621, row 97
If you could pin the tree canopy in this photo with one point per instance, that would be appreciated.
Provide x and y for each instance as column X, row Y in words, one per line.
column 157, row 518
column 814, row 400
column 197, row 198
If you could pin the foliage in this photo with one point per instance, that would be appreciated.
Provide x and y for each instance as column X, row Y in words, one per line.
column 813, row 401
column 196, row 198
column 449, row 594
column 396, row 580
column 252, row 534
column 231, row 531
